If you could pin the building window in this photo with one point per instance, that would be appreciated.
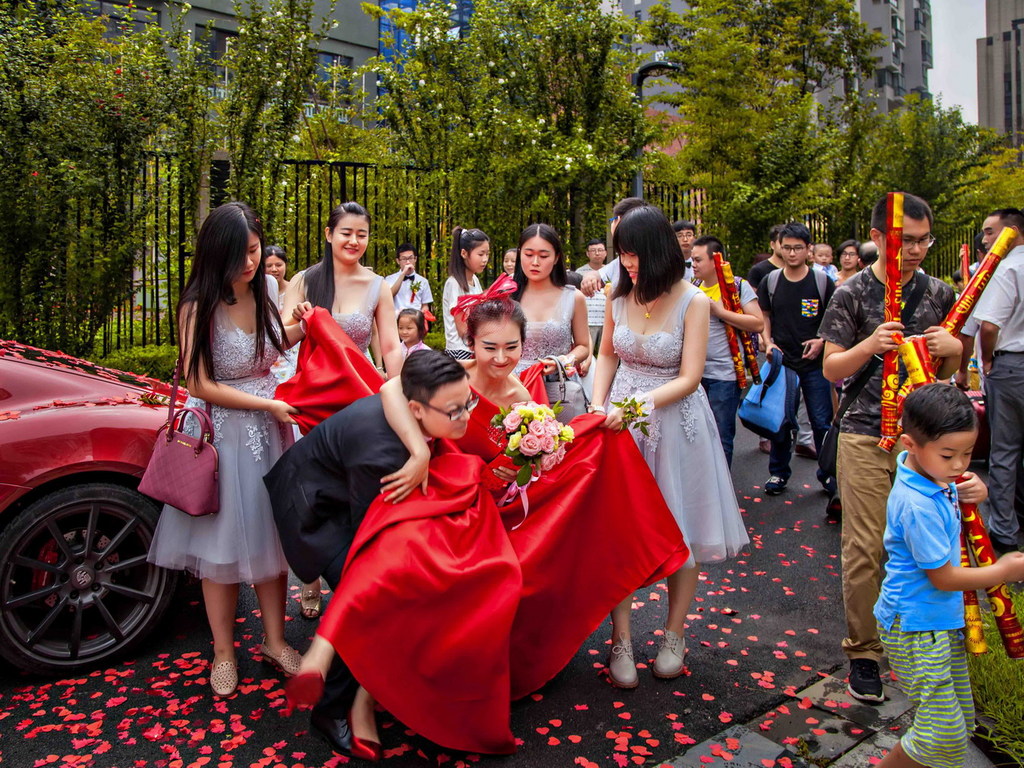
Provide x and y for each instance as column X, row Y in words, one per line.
column 926, row 52
column 218, row 43
column 897, row 27
column 121, row 17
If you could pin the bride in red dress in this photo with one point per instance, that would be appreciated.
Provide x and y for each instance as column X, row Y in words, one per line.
column 573, row 571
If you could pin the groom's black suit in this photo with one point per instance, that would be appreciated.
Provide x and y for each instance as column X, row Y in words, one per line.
column 320, row 490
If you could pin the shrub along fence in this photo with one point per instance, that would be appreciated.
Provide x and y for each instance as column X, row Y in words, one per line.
column 405, row 207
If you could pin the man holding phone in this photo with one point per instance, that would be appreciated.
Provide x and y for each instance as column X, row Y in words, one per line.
column 793, row 300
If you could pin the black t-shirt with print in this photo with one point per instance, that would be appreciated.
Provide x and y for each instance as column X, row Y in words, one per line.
column 796, row 312
column 854, row 314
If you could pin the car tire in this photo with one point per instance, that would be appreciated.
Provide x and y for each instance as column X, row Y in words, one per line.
column 75, row 587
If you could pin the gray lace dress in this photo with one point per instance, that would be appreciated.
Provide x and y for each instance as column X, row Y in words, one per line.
column 550, row 338
column 239, row 544
column 683, row 450
column 359, row 325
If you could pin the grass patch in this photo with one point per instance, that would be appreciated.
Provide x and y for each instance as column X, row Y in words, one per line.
column 998, row 683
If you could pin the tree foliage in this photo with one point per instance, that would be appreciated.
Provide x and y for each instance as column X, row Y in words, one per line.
column 750, row 128
column 529, row 115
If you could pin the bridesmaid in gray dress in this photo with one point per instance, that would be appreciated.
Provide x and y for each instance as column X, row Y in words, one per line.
column 652, row 349
column 230, row 334
column 352, row 294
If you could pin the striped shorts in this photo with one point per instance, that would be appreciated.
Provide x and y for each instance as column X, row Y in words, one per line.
column 932, row 669
column 459, row 354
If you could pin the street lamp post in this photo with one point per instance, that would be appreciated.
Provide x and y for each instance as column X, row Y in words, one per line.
column 659, row 66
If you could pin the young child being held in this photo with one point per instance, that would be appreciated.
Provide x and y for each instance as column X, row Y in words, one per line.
column 412, row 327
column 920, row 610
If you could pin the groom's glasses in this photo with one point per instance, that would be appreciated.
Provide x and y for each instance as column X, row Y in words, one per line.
column 456, row 413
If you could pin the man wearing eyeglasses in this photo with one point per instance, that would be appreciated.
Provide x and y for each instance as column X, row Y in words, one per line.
column 793, row 300
column 323, row 485
column 856, row 337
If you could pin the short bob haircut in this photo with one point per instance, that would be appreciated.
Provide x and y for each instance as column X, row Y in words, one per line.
column 647, row 233
column 937, row 409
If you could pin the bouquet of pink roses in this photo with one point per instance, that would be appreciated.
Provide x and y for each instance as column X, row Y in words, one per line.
column 536, row 440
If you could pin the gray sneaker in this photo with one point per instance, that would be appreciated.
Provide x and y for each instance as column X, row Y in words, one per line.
column 668, row 664
column 621, row 666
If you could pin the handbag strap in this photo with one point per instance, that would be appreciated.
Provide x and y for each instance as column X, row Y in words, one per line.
column 851, row 395
column 171, row 415
column 775, row 369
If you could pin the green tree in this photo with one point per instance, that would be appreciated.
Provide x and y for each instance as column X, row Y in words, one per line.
column 750, row 128
column 529, row 115
column 77, row 111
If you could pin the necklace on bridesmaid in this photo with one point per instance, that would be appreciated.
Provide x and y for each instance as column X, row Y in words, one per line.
column 648, row 307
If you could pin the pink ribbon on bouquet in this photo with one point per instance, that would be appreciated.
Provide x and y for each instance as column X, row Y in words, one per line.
column 502, row 288
column 515, row 489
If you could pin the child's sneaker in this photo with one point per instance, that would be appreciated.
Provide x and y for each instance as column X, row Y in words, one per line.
column 775, row 485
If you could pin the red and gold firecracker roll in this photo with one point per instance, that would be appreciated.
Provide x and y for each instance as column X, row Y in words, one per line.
column 1005, row 615
column 731, row 301
column 892, row 307
column 974, row 630
column 965, row 262
column 917, row 360
column 968, row 300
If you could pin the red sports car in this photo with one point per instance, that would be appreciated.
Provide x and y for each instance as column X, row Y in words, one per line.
column 75, row 587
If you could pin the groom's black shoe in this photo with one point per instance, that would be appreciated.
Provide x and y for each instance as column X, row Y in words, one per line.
column 335, row 731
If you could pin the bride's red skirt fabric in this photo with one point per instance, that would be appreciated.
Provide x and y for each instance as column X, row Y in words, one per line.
column 424, row 610
column 331, row 373
column 597, row 529
column 447, row 608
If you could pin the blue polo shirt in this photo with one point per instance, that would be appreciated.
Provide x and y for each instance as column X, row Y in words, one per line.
column 922, row 532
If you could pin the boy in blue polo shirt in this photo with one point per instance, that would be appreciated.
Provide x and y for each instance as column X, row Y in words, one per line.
column 920, row 610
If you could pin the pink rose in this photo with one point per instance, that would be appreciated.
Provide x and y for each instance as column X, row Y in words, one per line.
column 552, row 427
column 537, row 428
column 560, row 453
column 547, row 444
column 549, row 462
column 530, row 445
column 512, row 421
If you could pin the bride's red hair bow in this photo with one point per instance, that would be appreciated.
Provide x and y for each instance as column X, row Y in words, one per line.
column 502, row 288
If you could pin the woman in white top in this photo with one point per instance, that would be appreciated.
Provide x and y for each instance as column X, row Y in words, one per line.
column 471, row 249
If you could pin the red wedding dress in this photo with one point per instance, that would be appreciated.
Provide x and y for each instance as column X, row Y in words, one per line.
column 482, row 607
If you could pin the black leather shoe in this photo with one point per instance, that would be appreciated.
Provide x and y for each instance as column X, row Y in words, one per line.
column 335, row 731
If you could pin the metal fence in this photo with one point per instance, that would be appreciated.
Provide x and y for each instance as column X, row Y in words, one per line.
column 404, row 207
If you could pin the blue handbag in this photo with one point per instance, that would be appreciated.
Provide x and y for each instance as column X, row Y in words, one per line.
column 769, row 408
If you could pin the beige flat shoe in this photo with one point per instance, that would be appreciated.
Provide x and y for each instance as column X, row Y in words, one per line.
column 670, row 661
column 621, row 666
column 288, row 661
column 224, row 679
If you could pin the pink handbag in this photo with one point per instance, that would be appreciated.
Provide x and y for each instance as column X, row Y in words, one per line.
column 182, row 471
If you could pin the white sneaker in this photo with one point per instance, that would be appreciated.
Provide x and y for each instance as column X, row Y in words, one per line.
column 621, row 666
column 668, row 663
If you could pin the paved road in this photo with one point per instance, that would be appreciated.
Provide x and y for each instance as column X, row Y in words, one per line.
column 768, row 622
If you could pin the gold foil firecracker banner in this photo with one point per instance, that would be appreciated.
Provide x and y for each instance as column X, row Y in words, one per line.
column 962, row 308
column 917, row 360
column 730, row 332
column 892, row 307
column 1005, row 615
column 750, row 354
column 974, row 630
column 965, row 262
column 965, row 304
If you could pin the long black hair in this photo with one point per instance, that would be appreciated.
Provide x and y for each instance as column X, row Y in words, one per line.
column 319, row 279
column 558, row 272
column 646, row 232
column 463, row 240
column 220, row 256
